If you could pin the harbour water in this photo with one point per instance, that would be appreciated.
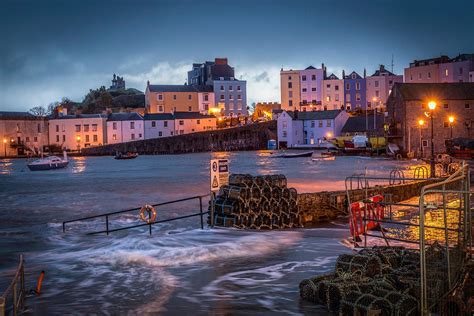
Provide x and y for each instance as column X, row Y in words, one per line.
column 180, row 269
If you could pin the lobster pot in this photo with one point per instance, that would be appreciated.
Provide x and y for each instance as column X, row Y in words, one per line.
column 255, row 193
column 363, row 304
column 266, row 192
column 260, row 181
column 293, row 195
column 266, row 221
column 234, row 192
column 366, row 265
column 402, row 304
column 241, row 179
column 224, row 220
column 227, row 206
column 309, row 288
column 336, row 291
column 284, row 207
column 276, row 193
column 278, row 180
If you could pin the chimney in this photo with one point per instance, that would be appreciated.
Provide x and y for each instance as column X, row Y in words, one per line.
column 220, row 61
column 296, row 114
column 343, row 74
column 365, row 73
column 382, row 68
column 147, row 83
column 64, row 111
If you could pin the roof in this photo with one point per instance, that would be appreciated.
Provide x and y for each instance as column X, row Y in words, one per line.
column 179, row 88
column 158, row 116
column 357, row 124
column 314, row 115
column 190, row 115
column 78, row 116
column 124, row 117
column 310, row 67
column 12, row 115
column 332, row 77
column 349, row 76
column 436, row 91
column 382, row 72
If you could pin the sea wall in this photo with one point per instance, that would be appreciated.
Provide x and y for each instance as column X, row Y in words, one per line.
column 249, row 137
column 323, row 206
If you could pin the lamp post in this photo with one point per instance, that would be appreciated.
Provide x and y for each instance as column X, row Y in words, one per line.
column 5, row 147
column 78, row 138
column 420, row 124
column 432, row 107
column 451, row 121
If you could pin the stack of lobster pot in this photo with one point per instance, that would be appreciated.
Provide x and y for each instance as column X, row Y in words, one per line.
column 257, row 202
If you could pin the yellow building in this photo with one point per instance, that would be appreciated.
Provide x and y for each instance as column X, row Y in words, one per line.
column 290, row 89
column 178, row 98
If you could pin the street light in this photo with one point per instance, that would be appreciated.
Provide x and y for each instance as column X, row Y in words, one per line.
column 432, row 107
column 5, row 147
column 78, row 138
column 420, row 124
column 451, row 121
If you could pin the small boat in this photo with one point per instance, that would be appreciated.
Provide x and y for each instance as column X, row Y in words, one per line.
column 294, row 155
column 324, row 156
column 129, row 155
column 49, row 163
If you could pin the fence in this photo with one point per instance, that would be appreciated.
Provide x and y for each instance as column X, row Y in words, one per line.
column 108, row 230
column 15, row 292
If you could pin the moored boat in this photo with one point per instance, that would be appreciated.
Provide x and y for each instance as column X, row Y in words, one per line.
column 294, row 155
column 129, row 155
column 49, row 163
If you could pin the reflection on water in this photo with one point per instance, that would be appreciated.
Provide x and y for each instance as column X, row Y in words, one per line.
column 79, row 164
column 6, row 166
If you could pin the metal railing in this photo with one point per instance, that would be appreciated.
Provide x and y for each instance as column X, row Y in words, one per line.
column 108, row 230
column 15, row 292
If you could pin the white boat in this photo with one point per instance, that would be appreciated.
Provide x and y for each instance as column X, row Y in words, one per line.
column 49, row 163
column 323, row 156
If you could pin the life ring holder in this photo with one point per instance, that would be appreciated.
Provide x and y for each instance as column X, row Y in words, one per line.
column 151, row 212
column 398, row 156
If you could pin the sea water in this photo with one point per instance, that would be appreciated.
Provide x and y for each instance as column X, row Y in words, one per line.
column 179, row 269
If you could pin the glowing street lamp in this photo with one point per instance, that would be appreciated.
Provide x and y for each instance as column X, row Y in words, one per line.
column 78, row 138
column 5, row 147
column 451, row 121
column 432, row 107
column 420, row 124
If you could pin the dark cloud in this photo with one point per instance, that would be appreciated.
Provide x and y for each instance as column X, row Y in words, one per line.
column 262, row 77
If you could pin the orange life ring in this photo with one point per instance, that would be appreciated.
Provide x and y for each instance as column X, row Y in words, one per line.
column 150, row 210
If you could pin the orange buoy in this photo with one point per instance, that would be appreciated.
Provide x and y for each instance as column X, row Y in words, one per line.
column 40, row 282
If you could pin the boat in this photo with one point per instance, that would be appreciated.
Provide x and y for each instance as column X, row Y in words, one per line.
column 328, row 156
column 49, row 163
column 294, row 155
column 129, row 155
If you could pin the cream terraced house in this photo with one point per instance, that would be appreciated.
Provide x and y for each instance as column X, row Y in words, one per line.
column 124, row 127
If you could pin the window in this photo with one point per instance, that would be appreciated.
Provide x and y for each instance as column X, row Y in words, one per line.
column 357, row 85
column 181, row 132
column 57, row 138
column 160, row 97
column 320, row 123
column 376, row 83
column 231, row 89
column 312, row 124
column 222, row 97
column 114, row 125
column 313, row 89
column 446, row 124
column 290, row 102
column 336, row 97
column 348, row 86
column 290, row 85
column 353, row 76
column 78, row 128
column 313, row 77
column 419, row 75
column 285, row 124
column 94, row 138
column 153, row 123
column 467, row 106
column 425, row 143
column 429, row 74
column 377, row 94
column 139, row 135
column 390, row 82
column 165, row 124
column 190, row 97
column 206, row 97
column 35, row 139
column 304, row 89
column 446, row 73
column 289, row 77
column 94, row 127
column 132, row 125
column 171, row 133
column 285, row 134
column 114, row 137
column 190, row 109
column 181, row 122
column 57, row 128
column 160, row 108
column 86, row 127
column 222, row 88
column 64, row 138
column 238, row 88
column 348, row 97
column 357, row 96
column 328, row 98
column 206, row 107
column 328, row 86
column 174, row 96
column 160, row 134
column 411, row 77
column 133, row 136
column 239, row 97
column 87, row 138
column 328, row 123
column 290, row 94
column 460, row 70
column 336, row 87
column 303, row 78
column 446, row 106
column 231, row 97
column 198, row 122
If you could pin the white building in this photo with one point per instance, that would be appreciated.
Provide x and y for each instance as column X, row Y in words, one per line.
column 310, row 127
column 310, row 84
column 73, row 132
column 333, row 93
column 191, row 122
column 158, row 125
column 124, row 127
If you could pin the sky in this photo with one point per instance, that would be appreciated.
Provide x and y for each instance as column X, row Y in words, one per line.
column 55, row 49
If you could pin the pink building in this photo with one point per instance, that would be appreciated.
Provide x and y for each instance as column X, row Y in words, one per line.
column 440, row 69
column 379, row 86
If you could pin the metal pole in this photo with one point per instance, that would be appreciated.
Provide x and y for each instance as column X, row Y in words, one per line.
column 149, row 225
column 446, row 237
column 64, row 227
column 200, row 211
column 432, row 164
column 107, row 224
column 421, row 141
column 212, row 209
column 451, row 125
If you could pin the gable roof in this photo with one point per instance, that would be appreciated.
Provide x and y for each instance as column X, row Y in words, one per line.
column 191, row 115
column 310, row 67
column 124, row 117
column 332, row 77
column 12, row 115
column 357, row 124
column 77, row 116
column 179, row 88
column 314, row 115
column 349, row 76
column 436, row 91
column 158, row 116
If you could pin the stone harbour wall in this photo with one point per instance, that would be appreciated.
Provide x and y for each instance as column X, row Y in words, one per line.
column 249, row 137
column 324, row 206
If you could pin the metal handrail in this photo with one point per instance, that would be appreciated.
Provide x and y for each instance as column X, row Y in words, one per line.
column 106, row 215
column 18, row 298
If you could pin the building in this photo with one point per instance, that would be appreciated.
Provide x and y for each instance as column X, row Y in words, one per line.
column 189, row 122
column 440, row 69
column 354, row 91
column 73, row 132
column 22, row 133
column 301, row 89
column 230, row 94
column 408, row 103
column 309, row 127
column 117, row 83
column 379, row 86
column 264, row 110
column 181, row 98
column 333, row 93
column 364, row 124
column 124, row 127
column 158, row 125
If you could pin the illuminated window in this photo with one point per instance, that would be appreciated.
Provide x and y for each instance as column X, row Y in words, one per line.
column 94, row 127
column 114, row 137
column 446, row 72
column 320, row 124
column 95, row 138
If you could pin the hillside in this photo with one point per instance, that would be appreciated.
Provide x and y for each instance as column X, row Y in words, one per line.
column 97, row 101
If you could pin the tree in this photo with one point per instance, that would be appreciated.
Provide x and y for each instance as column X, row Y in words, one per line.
column 39, row 111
